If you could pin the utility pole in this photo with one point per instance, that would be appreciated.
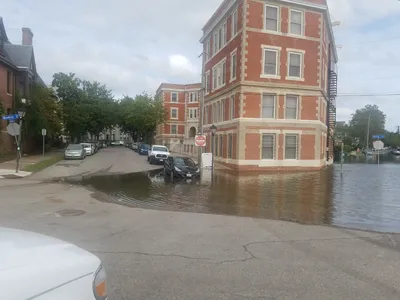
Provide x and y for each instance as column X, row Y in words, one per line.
column 202, row 94
column 369, row 121
column 398, row 129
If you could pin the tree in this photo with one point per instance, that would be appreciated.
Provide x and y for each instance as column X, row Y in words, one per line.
column 139, row 116
column 71, row 98
column 359, row 123
column 42, row 112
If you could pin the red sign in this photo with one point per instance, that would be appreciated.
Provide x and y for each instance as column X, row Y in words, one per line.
column 200, row 141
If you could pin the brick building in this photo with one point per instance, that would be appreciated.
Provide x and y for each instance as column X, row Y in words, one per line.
column 270, row 84
column 181, row 103
column 17, row 73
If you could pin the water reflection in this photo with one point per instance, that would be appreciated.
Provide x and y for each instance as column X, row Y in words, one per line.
column 364, row 197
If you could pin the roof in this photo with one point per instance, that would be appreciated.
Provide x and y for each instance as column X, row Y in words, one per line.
column 179, row 87
column 20, row 55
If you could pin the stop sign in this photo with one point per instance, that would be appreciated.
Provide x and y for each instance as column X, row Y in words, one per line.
column 200, row 140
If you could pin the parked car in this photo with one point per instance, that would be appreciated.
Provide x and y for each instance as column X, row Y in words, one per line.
column 143, row 149
column 134, row 146
column 74, row 151
column 96, row 146
column 89, row 148
column 35, row 266
column 157, row 154
column 180, row 166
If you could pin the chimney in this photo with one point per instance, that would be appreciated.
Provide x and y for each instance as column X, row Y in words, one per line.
column 27, row 36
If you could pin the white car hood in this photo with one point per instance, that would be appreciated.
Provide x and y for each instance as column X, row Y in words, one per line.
column 31, row 263
column 160, row 152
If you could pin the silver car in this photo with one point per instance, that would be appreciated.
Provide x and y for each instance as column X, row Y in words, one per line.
column 75, row 151
column 89, row 148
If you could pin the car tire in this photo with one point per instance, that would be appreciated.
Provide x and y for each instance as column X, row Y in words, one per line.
column 150, row 160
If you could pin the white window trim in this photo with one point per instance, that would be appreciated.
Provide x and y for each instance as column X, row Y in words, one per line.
column 301, row 53
column 196, row 112
column 278, row 61
column 195, row 96
column 177, row 97
column 302, row 22
column 208, row 83
column 233, row 33
column 275, row 106
column 232, row 78
column 278, row 27
column 298, row 140
column 177, row 113
column 215, row 67
column 208, row 49
column 297, row 106
column 170, row 129
column 275, row 143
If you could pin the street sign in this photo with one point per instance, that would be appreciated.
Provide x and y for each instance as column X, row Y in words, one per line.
column 13, row 129
column 44, row 132
column 378, row 145
column 10, row 117
column 200, row 141
column 378, row 136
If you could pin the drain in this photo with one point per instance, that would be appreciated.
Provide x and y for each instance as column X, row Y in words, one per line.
column 69, row 212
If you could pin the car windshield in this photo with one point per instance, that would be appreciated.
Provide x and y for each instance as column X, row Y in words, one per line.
column 160, row 149
column 145, row 146
column 87, row 146
column 184, row 161
column 74, row 147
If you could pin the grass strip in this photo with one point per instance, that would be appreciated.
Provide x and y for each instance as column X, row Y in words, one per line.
column 43, row 164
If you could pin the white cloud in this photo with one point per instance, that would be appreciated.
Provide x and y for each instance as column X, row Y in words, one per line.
column 132, row 46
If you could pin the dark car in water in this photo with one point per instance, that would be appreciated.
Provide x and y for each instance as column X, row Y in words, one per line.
column 181, row 167
column 143, row 149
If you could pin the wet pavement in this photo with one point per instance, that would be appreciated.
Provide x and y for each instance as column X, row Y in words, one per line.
column 365, row 196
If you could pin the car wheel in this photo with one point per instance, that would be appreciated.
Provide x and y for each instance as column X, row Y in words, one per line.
column 150, row 160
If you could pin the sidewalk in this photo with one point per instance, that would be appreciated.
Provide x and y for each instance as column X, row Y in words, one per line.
column 7, row 168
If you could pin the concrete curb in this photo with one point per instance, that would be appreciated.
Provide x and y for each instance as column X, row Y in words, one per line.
column 11, row 174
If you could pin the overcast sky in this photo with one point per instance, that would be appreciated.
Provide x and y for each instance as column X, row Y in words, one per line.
column 133, row 45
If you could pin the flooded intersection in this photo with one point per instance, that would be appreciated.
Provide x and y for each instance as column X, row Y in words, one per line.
column 365, row 196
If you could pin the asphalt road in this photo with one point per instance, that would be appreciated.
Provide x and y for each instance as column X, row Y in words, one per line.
column 152, row 254
column 111, row 160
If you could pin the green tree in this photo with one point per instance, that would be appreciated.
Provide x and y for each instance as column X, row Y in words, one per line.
column 359, row 123
column 139, row 116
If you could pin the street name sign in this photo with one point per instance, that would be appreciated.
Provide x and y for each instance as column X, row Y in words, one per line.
column 10, row 117
column 378, row 136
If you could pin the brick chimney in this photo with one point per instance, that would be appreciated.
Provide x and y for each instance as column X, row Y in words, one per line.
column 27, row 36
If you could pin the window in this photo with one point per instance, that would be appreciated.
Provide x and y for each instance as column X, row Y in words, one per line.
column 208, row 49
column 9, row 82
column 268, row 106
column 215, row 43
column 291, row 146
column 233, row 66
column 174, row 129
column 219, row 75
column 221, row 145
column 206, row 120
column 174, row 113
column 296, row 22
column 234, row 23
column 193, row 97
column 270, row 62
column 232, row 107
column 268, row 146
column 219, row 38
column 291, row 107
column 193, row 113
column 230, row 145
column 271, row 18
column 214, row 78
column 208, row 82
column 216, row 145
column 174, row 97
column 214, row 112
column 222, row 117
column 218, row 111
column 295, row 63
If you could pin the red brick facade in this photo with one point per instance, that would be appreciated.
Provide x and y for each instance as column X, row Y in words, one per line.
column 266, row 77
column 181, row 104
column 7, row 90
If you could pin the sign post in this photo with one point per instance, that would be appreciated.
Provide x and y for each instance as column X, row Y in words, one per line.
column 44, row 132
column 14, row 129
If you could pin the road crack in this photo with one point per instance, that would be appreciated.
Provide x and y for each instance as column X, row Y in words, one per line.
column 151, row 254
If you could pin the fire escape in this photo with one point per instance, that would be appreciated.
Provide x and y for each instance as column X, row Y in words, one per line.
column 331, row 122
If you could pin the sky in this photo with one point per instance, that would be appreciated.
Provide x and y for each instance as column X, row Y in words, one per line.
column 133, row 46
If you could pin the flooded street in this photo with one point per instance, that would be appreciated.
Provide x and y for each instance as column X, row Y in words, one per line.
column 366, row 196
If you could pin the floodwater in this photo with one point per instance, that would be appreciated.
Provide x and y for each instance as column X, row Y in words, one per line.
column 362, row 196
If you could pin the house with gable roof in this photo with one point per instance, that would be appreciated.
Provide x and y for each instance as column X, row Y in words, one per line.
column 17, row 74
